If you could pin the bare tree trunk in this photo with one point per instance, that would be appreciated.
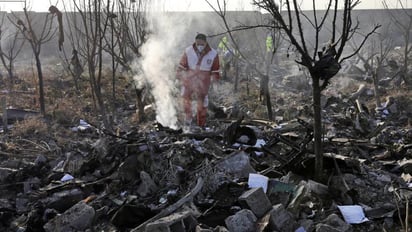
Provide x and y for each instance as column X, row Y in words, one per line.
column 8, row 57
column 269, row 105
column 236, row 66
column 140, row 104
column 317, row 130
column 113, row 65
column 267, row 92
column 404, row 73
column 375, row 78
column 41, row 85
column 264, row 92
column 407, row 50
column 323, row 64
column 10, row 72
column 36, row 41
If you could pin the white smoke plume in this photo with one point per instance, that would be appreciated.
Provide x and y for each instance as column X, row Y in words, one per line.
column 160, row 55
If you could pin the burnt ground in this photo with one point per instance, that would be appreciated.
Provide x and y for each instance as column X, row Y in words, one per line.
column 60, row 175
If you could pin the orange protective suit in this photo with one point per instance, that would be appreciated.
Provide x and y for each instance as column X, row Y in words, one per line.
column 196, row 71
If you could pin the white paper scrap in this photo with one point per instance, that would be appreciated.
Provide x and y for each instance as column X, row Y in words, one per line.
column 260, row 143
column 353, row 214
column 257, row 180
column 66, row 177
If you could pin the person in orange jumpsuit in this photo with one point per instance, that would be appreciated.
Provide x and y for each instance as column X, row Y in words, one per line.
column 198, row 66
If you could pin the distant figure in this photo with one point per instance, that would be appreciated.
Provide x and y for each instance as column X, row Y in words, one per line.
column 226, row 56
column 75, row 62
column 198, row 66
column 76, row 67
column 223, row 45
column 270, row 50
column 269, row 43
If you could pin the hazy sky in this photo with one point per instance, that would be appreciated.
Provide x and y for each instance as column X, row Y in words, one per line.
column 190, row 5
column 201, row 5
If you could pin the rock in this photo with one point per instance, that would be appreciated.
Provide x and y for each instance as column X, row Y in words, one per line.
column 242, row 221
column 63, row 200
column 301, row 193
column 4, row 173
column 147, row 186
column 281, row 219
column 22, row 205
column 237, row 164
column 256, row 200
column 40, row 160
column 78, row 218
column 128, row 170
column 318, row 188
column 333, row 223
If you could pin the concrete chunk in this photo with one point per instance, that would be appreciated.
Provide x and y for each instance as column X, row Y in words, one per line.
column 333, row 223
column 237, row 165
column 244, row 221
column 147, row 186
column 281, row 219
column 78, row 218
column 256, row 200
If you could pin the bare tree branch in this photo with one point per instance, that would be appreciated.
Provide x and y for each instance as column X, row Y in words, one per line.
column 361, row 44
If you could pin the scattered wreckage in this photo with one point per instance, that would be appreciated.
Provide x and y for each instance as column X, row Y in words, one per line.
column 242, row 175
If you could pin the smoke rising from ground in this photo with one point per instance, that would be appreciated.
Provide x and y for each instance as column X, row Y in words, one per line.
column 160, row 55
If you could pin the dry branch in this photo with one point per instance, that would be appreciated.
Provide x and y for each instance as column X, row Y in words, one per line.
column 172, row 208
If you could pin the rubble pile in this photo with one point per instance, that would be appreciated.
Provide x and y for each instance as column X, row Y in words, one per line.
column 245, row 175
column 240, row 174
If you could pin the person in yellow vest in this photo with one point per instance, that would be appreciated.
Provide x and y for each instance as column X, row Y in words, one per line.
column 270, row 49
column 269, row 43
column 226, row 56
column 223, row 45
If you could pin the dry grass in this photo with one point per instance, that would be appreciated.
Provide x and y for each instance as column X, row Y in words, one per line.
column 65, row 106
column 66, row 111
column 29, row 127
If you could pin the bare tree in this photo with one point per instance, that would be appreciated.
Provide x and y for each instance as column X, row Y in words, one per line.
column 72, row 29
column 130, row 31
column 88, row 37
column 322, row 63
column 126, row 37
column 241, row 51
column 402, row 20
column 36, row 39
column 113, row 27
column 375, row 57
column 10, row 46
column 133, row 33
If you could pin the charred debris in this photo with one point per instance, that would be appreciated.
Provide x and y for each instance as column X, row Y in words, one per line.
column 239, row 174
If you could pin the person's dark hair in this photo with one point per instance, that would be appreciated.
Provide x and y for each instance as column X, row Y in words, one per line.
column 201, row 36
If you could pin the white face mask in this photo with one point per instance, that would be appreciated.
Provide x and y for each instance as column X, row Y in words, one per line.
column 200, row 47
